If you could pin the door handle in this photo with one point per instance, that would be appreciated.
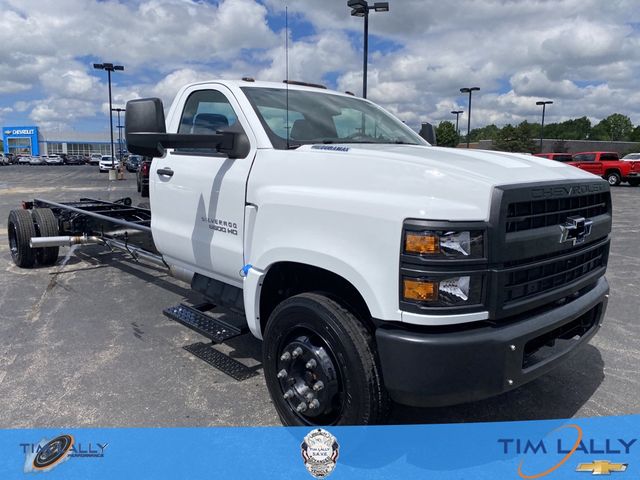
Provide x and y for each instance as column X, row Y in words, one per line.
column 167, row 172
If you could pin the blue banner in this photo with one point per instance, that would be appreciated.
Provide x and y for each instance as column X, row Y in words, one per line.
column 576, row 448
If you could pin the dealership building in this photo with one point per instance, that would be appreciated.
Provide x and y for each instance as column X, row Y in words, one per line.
column 33, row 141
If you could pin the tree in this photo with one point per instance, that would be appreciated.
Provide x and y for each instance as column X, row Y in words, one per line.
column 446, row 135
column 615, row 127
column 488, row 132
column 515, row 139
column 635, row 135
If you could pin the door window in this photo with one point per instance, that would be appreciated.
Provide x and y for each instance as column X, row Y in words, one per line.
column 585, row 157
column 206, row 112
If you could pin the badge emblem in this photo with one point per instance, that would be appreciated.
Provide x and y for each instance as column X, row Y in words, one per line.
column 320, row 453
column 575, row 230
column 49, row 454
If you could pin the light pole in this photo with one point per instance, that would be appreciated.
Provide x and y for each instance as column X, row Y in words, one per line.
column 361, row 8
column 457, row 114
column 544, row 105
column 109, row 67
column 469, row 90
column 118, row 110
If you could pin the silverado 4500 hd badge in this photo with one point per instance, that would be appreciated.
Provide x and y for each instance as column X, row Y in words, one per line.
column 223, row 226
column 320, row 453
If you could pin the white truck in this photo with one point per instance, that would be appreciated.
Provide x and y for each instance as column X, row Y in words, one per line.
column 374, row 266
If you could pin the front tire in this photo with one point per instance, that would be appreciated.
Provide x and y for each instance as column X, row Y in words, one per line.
column 320, row 365
column 21, row 229
column 613, row 178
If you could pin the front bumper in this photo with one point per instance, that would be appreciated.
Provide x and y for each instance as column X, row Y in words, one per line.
column 446, row 368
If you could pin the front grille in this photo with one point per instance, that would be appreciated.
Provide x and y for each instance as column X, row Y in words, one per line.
column 533, row 280
column 529, row 215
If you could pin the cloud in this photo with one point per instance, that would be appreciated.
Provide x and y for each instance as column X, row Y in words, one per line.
column 582, row 54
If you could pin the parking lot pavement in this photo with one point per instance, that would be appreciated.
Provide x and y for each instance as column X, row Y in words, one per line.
column 84, row 343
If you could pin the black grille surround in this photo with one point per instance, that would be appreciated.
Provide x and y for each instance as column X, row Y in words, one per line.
column 526, row 266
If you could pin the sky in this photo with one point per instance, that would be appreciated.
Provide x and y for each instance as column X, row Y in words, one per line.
column 584, row 55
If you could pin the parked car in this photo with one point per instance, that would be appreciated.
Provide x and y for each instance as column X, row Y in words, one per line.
column 608, row 166
column 559, row 157
column 53, row 160
column 107, row 162
column 133, row 163
column 4, row 160
column 631, row 157
column 24, row 160
column 94, row 159
column 142, row 176
column 36, row 160
column 74, row 160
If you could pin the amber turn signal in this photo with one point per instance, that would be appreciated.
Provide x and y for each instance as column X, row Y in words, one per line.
column 421, row 243
column 421, row 291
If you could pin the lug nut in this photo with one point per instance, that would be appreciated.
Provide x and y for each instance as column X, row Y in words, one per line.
column 313, row 404
column 288, row 394
column 318, row 386
column 311, row 364
column 301, row 408
column 282, row 373
column 510, row 382
column 512, row 347
column 286, row 356
column 297, row 352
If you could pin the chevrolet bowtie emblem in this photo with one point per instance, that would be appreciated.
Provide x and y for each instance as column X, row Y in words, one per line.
column 575, row 230
column 601, row 467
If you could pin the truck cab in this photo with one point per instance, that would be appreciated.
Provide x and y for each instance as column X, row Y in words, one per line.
column 437, row 276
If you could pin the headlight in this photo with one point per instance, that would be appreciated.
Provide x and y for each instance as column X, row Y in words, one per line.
column 449, row 291
column 467, row 244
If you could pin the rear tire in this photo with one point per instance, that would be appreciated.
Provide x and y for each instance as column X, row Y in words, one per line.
column 344, row 356
column 613, row 178
column 46, row 226
column 144, row 191
column 634, row 182
column 20, row 229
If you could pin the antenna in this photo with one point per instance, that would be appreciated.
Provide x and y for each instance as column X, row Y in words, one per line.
column 286, row 61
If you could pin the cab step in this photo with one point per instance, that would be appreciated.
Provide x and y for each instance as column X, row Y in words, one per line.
column 194, row 317
column 221, row 361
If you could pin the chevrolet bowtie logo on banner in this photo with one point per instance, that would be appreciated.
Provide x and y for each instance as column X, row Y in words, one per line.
column 601, row 467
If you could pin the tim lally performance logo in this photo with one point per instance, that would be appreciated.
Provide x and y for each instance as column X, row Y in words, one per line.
column 48, row 454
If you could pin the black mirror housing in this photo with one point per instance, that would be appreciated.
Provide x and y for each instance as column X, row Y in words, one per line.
column 144, row 116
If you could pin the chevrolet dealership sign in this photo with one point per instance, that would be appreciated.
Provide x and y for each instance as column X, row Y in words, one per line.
column 21, row 140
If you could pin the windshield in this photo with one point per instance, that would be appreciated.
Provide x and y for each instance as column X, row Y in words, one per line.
column 318, row 117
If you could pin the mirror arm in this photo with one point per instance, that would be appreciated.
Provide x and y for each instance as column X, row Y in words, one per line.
column 223, row 142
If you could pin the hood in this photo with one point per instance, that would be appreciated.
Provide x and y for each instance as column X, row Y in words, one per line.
column 403, row 181
column 486, row 166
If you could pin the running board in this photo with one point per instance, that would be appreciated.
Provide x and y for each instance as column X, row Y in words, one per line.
column 194, row 317
column 222, row 362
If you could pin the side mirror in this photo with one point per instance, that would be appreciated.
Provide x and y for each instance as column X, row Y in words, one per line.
column 428, row 132
column 142, row 119
column 145, row 133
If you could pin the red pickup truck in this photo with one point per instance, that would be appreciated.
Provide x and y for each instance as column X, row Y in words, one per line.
column 608, row 166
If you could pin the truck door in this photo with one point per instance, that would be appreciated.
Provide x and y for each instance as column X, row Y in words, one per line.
column 587, row 162
column 198, row 195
